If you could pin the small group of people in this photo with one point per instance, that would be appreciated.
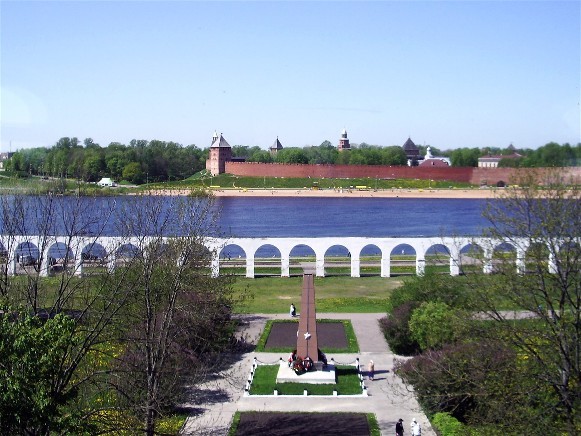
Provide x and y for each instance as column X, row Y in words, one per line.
column 416, row 429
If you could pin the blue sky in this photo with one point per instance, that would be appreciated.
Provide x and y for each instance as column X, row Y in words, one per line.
column 449, row 74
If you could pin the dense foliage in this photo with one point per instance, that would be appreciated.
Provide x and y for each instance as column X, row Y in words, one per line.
column 139, row 162
column 113, row 348
column 499, row 372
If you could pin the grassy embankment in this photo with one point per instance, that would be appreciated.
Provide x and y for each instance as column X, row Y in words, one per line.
column 201, row 181
column 229, row 181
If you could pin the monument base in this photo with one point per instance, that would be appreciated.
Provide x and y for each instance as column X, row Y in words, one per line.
column 325, row 375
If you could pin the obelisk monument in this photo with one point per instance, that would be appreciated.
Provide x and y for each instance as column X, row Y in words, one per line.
column 307, row 344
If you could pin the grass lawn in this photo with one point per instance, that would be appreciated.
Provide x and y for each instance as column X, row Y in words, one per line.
column 228, row 181
column 333, row 294
column 346, row 383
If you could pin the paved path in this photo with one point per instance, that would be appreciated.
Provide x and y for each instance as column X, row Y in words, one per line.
column 387, row 397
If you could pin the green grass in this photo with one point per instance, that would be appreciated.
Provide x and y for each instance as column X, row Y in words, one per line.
column 352, row 345
column 228, row 181
column 346, row 383
column 333, row 294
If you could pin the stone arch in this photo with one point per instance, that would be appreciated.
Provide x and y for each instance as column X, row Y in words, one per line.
column 536, row 256
column 438, row 258
column 93, row 258
column 503, row 257
column 471, row 259
column 233, row 259
column 267, row 261
column 27, row 256
column 403, row 259
column 126, row 253
column 569, row 252
column 337, row 261
column 3, row 254
column 60, row 257
column 302, row 258
column 370, row 261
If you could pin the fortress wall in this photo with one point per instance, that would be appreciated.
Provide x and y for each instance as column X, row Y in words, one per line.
column 511, row 175
column 472, row 175
column 255, row 169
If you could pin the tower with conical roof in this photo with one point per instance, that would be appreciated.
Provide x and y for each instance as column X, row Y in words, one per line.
column 220, row 153
column 344, row 141
column 276, row 147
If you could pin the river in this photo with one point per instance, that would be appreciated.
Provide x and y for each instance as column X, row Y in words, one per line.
column 373, row 217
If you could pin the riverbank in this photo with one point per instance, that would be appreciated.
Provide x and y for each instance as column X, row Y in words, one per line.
column 350, row 193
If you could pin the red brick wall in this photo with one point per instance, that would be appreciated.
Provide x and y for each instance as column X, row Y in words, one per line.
column 254, row 169
column 510, row 175
column 460, row 174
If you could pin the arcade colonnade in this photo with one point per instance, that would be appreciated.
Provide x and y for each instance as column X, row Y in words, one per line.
column 78, row 252
column 452, row 246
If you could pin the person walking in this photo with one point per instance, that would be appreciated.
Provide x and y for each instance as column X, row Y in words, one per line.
column 399, row 428
column 416, row 429
column 371, row 370
column 293, row 310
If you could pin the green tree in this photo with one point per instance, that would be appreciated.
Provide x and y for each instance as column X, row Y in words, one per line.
column 433, row 325
column 180, row 315
column 133, row 173
column 260, row 156
column 292, row 155
column 465, row 157
column 33, row 354
column 542, row 221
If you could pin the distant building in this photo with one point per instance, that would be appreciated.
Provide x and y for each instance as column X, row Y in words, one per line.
column 106, row 181
column 491, row 161
column 220, row 153
column 344, row 141
column 412, row 152
column 434, row 161
column 276, row 147
column 3, row 158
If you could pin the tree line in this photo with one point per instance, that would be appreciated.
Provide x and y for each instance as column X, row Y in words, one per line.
column 143, row 161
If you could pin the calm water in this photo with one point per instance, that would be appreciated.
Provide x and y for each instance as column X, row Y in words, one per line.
column 373, row 217
column 274, row 217
column 279, row 217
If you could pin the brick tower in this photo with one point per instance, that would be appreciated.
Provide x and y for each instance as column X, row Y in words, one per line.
column 220, row 153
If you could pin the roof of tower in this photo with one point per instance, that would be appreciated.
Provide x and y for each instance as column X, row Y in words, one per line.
column 220, row 142
column 409, row 145
column 277, row 145
column 344, row 132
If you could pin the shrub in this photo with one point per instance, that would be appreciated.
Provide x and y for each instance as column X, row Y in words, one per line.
column 430, row 287
column 447, row 425
column 433, row 324
column 396, row 330
column 461, row 379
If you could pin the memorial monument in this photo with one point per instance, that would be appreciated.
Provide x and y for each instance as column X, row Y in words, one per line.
column 307, row 363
